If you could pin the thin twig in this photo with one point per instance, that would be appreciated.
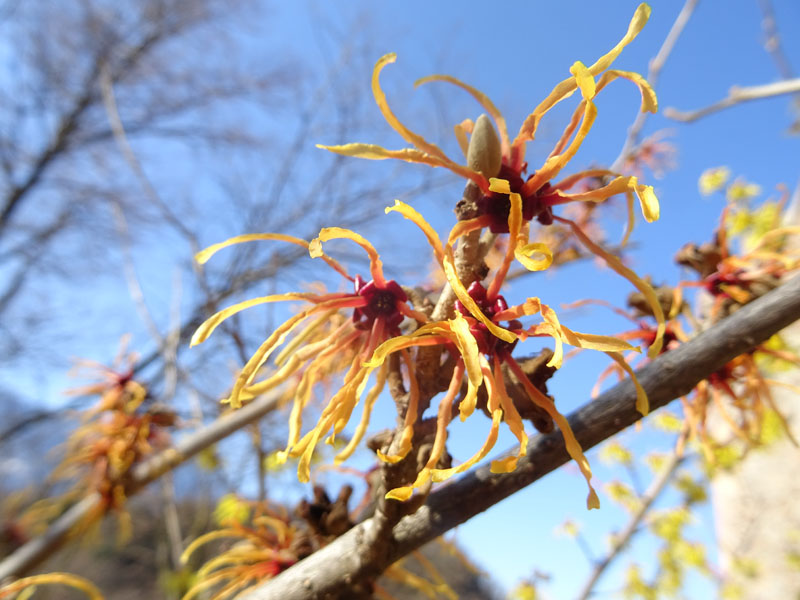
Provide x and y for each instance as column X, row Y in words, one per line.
column 772, row 40
column 332, row 571
column 737, row 95
column 653, row 73
column 647, row 499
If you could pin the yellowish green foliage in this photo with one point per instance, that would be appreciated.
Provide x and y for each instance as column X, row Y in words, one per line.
column 231, row 510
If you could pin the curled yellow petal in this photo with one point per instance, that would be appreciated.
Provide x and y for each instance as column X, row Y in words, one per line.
column 583, row 79
column 380, row 99
column 332, row 233
column 590, row 341
column 442, row 474
column 649, row 99
column 565, row 88
column 369, row 403
column 554, row 164
column 467, row 301
column 535, row 256
column 412, row 215
column 482, row 99
column 571, row 443
column 642, row 403
column 514, row 227
column 649, row 202
column 638, row 21
column 470, row 355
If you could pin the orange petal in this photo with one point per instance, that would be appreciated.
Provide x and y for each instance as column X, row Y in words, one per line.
column 482, row 99
column 616, row 264
column 414, row 216
column 210, row 324
column 649, row 99
column 332, row 233
column 642, row 403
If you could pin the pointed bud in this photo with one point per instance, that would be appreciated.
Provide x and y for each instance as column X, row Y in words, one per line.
column 484, row 153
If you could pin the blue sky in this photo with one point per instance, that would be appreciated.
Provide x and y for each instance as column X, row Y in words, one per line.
column 516, row 52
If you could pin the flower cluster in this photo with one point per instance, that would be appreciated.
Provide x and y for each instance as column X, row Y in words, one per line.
column 475, row 333
column 117, row 433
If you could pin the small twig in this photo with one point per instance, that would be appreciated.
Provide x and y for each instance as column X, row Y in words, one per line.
column 653, row 73
column 172, row 522
column 772, row 40
column 737, row 95
column 621, row 540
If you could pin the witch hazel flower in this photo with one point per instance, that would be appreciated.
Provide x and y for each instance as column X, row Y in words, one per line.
column 323, row 346
column 481, row 336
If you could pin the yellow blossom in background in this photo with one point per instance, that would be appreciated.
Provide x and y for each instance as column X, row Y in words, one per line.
column 713, row 180
column 26, row 587
column 742, row 191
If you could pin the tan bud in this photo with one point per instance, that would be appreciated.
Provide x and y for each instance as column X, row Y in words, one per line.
column 484, row 154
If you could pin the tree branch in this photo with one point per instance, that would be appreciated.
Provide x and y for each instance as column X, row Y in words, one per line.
column 737, row 95
column 330, row 572
column 647, row 499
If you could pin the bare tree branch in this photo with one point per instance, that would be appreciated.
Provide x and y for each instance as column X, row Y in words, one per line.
column 737, row 95
column 647, row 499
column 333, row 571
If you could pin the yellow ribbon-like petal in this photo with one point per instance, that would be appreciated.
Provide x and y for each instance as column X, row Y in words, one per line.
column 332, row 233
column 525, row 254
column 642, row 403
column 649, row 98
column 649, row 202
column 412, row 215
column 482, row 99
column 203, row 256
column 567, row 87
column 210, row 324
column 616, row 264
column 584, row 80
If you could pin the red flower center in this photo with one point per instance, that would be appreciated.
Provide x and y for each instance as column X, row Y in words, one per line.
column 498, row 206
column 488, row 343
column 381, row 303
